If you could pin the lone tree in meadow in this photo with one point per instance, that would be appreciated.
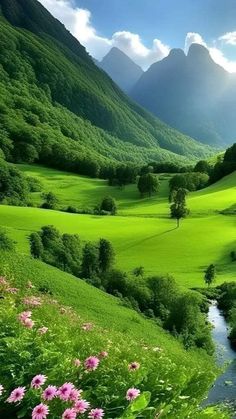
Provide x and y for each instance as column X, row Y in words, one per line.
column 179, row 209
column 108, row 204
column 210, row 274
column 106, row 255
column 148, row 184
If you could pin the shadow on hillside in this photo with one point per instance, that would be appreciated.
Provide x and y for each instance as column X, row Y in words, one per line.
column 150, row 238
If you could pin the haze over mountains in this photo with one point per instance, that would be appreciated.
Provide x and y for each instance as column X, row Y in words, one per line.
column 190, row 93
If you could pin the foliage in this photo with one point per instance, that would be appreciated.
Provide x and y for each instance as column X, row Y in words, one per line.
column 50, row 201
column 210, row 274
column 5, row 242
column 178, row 209
column 148, row 184
column 108, row 206
column 14, row 189
column 190, row 181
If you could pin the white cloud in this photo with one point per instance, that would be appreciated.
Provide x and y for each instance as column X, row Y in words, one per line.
column 229, row 38
column 78, row 22
column 216, row 54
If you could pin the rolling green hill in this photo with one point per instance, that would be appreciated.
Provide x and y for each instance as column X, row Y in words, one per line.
column 142, row 233
column 58, row 107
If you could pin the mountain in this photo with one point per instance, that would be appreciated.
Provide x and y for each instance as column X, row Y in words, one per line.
column 191, row 93
column 58, row 108
column 121, row 69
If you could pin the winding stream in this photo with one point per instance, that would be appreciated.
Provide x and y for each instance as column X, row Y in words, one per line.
column 224, row 388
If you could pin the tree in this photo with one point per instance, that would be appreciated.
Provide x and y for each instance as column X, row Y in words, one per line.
column 36, row 245
column 90, row 261
column 138, row 272
column 178, row 209
column 51, row 200
column 108, row 204
column 148, row 184
column 106, row 255
column 210, row 274
column 202, row 167
column 5, row 242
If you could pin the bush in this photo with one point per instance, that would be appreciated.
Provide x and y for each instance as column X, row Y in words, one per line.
column 108, row 205
column 5, row 242
column 50, row 202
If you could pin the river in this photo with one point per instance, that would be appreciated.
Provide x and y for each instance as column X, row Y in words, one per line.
column 224, row 389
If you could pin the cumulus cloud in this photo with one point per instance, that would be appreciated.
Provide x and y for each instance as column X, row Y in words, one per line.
column 78, row 22
column 216, row 54
column 229, row 38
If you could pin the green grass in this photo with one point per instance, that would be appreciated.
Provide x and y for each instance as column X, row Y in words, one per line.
column 142, row 233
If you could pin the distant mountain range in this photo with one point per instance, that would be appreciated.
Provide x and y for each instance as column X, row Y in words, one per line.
column 189, row 92
column 121, row 69
column 58, row 108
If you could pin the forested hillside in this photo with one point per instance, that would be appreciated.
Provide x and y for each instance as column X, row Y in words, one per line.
column 56, row 103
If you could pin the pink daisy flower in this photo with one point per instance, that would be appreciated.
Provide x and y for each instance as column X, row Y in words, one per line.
column 40, row 412
column 64, row 391
column 16, row 395
column 24, row 315
column 1, row 389
column 132, row 394
column 77, row 362
column 81, row 406
column 134, row 366
column 103, row 354
column 87, row 326
column 42, row 330
column 38, row 381
column 91, row 363
column 75, row 394
column 49, row 393
column 96, row 414
column 32, row 301
column 69, row 414
column 12, row 290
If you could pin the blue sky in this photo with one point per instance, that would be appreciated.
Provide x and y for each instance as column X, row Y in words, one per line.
column 147, row 29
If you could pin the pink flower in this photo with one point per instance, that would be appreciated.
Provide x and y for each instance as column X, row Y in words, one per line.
column 64, row 391
column 134, row 366
column 32, row 301
column 91, row 363
column 1, row 389
column 77, row 362
column 75, row 395
column 49, row 393
column 103, row 354
column 132, row 394
column 42, row 330
column 12, row 290
column 38, row 381
column 81, row 406
column 40, row 412
column 87, row 326
column 24, row 315
column 28, row 323
column 96, row 414
column 69, row 414
column 16, row 395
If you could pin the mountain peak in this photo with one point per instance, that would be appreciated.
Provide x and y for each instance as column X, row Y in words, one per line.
column 198, row 50
column 176, row 52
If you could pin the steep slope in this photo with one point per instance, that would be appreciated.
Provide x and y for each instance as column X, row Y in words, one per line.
column 58, row 107
column 121, row 69
column 191, row 93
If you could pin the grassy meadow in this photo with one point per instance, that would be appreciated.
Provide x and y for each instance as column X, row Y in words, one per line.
column 142, row 233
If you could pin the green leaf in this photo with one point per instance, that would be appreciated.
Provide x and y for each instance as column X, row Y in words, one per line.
column 141, row 402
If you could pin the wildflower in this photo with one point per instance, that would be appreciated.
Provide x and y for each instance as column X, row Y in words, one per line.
column 24, row 315
column 16, row 395
column 69, row 414
column 87, row 326
column 134, row 366
column 77, row 362
column 81, row 406
column 96, row 414
column 32, row 301
column 64, row 391
column 91, row 363
column 1, row 389
column 38, row 381
column 28, row 323
column 75, row 394
column 42, row 330
column 132, row 394
column 49, row 393
column 12, row 290
column 40, row 412
column 103, row 354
